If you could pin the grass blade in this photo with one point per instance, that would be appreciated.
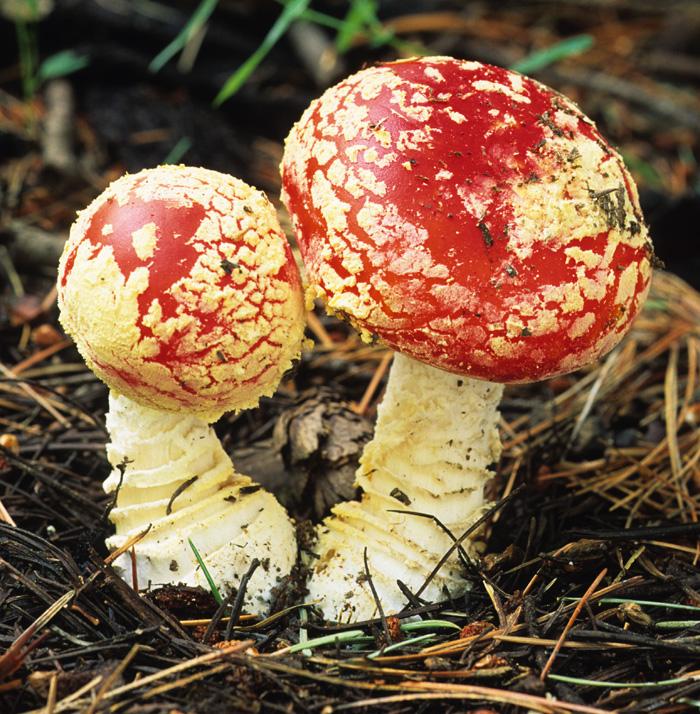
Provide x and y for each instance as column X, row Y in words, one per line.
column 199, row 17
column 212, row 585
column 321, row 18
column 652, row 603
column 183, row 145
column 555, row 53
column 61, row 64
column 361, row 15
column 620, row 685
column 399, row 645
column 292, row 11
column 346, row 636
column 428, row 624
column 676, row 624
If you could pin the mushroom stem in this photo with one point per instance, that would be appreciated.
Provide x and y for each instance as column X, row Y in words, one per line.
column 173, row 475
column 435, row 438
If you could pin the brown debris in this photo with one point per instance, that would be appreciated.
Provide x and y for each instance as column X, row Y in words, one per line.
column 321, row 440
column 609, row 457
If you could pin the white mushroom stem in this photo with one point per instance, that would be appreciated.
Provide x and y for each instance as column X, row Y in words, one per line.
column 176, row 478
column 435, row 438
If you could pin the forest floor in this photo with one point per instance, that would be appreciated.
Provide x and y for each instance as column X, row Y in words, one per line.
column 588, row 596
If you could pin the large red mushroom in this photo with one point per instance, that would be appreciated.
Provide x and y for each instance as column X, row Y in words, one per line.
column 476, row 222
column 182, row 294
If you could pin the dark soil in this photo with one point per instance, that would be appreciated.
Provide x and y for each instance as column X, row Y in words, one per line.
column 598, row 497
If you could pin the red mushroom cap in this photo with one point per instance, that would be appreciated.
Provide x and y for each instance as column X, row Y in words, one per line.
column 469, row 217
column 181, row 291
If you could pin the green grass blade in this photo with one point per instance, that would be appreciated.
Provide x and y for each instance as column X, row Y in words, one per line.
column 399, row 645
column 361, row 16
column 303, row 631
column 643, row 170
column 183, row 145
column 555, row 53
column 212, row 585
column 619, row 685
column 61, row 64
column 26, row 42
column 429, row 624
column 652, row 603
column 292, row 11
column 657, row 304
column 321, row 18
column 199, row 18
column 346, row 636
column 676, row 624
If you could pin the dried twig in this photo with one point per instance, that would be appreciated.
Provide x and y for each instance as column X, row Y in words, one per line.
column 570, row 623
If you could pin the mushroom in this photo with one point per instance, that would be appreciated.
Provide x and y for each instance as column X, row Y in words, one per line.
column 182, row 294
column 477, row 223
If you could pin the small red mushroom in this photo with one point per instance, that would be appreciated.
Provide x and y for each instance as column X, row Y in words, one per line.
column 180, row 290
column 182, row 294
column 473, row 220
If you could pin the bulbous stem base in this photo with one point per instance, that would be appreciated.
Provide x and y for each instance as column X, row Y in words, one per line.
column 435, row 439
column 173, row 475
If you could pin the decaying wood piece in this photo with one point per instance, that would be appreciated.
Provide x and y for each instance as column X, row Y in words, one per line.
column 31, row 246
column 321, row 440
column 57, row 138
